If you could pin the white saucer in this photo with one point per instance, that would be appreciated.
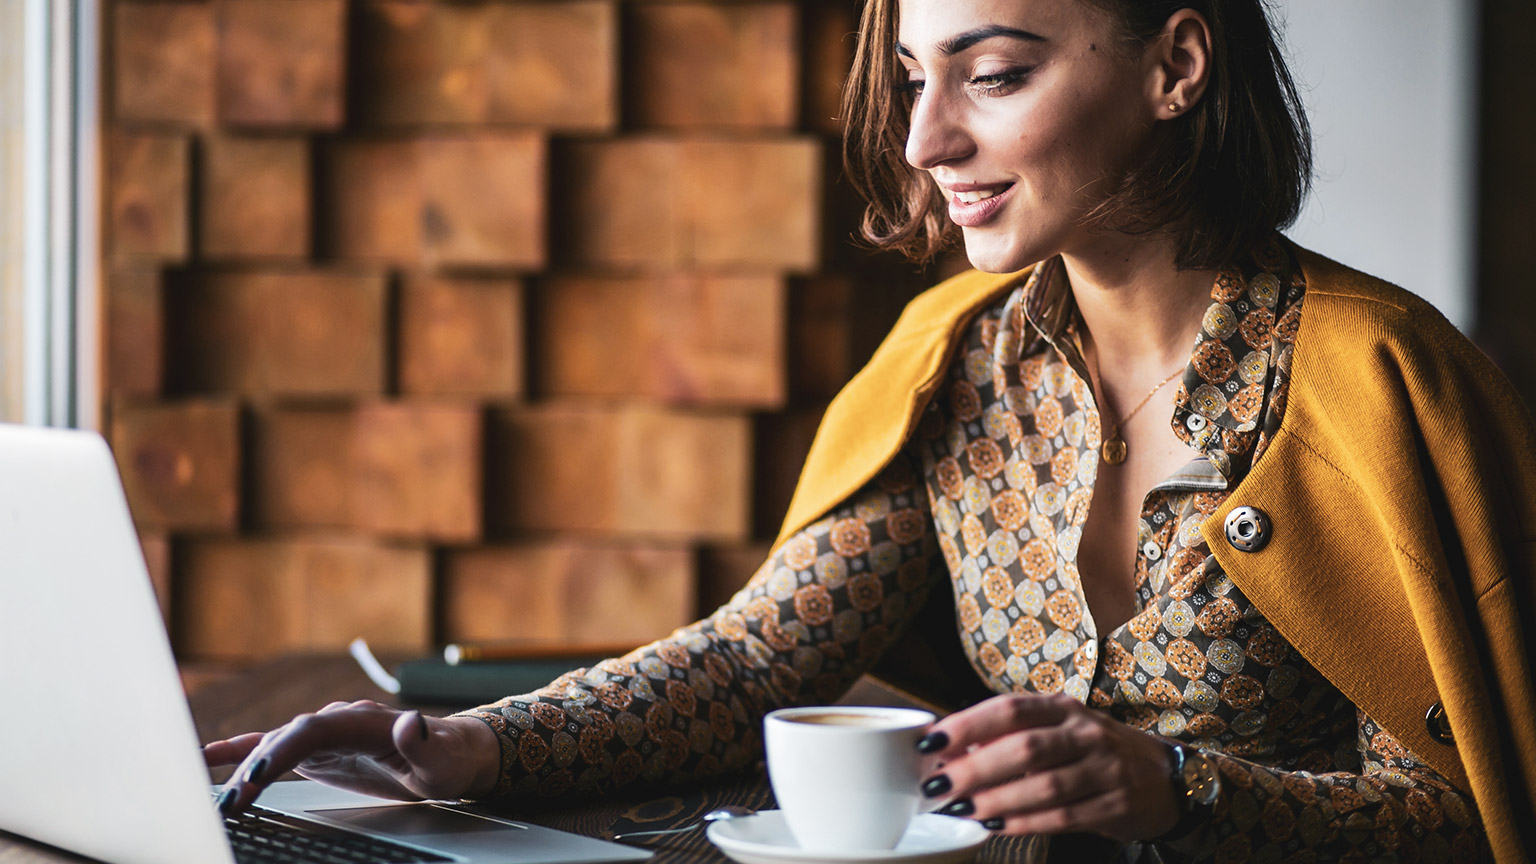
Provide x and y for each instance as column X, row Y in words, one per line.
column 764, row 838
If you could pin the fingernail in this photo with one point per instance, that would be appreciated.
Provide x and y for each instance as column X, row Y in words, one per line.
column 258, row 768
column 421, row 725
column 226, row 801
column 958, row 807
column 936, row 785
column 993, row 824
column 933, row 742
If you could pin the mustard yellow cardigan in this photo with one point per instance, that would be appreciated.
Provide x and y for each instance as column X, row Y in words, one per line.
column 1402, row 491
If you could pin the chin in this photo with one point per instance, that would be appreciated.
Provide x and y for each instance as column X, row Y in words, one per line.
column 994, row 254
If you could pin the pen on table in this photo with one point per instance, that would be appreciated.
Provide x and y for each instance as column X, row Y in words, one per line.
column 457, row 653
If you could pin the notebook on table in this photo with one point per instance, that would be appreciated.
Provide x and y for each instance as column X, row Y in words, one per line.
column 98, row 752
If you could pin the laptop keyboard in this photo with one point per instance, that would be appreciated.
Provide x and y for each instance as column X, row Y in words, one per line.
column 266, row 837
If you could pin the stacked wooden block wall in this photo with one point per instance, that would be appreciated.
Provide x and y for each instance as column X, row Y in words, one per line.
column 471, row 320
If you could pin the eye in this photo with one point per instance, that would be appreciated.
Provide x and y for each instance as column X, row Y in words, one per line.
column 998, row 82
column 912, row 88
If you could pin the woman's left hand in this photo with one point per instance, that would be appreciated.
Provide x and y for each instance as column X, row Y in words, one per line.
column 1049, row 765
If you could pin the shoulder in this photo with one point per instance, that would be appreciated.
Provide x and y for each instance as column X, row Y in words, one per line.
column 951, row 303
column 1380, row 380
column 1348, row 308
column 1356, row 327
column 872, row 417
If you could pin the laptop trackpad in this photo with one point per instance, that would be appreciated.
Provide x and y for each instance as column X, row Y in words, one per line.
column 413, row 820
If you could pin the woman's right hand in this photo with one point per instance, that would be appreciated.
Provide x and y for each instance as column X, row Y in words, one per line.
column 364, row 747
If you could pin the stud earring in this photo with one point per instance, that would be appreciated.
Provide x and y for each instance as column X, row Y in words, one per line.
column 1174, row 107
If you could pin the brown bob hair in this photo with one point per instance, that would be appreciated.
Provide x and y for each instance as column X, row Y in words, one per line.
column 1220, row 178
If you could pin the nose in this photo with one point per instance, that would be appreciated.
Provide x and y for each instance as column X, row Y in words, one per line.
column 937, row 132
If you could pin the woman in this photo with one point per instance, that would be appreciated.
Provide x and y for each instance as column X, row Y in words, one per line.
column 1276, row 553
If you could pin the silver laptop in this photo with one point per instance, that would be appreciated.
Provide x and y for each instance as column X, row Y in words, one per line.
column 98, row 754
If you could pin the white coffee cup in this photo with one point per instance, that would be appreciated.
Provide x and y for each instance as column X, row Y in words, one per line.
column 846, row 777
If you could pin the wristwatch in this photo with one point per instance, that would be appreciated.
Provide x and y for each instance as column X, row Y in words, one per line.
column 1197, row 785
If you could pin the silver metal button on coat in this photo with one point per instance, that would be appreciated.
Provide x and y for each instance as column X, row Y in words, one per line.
column 1248, row 529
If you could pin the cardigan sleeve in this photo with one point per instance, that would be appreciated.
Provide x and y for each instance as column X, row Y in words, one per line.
column 1395, row 808
column 812, row 619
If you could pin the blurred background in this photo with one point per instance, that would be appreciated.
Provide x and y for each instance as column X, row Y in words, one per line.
column 488, row 321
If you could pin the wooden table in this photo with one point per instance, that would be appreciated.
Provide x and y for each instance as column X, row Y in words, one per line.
column 271, row 693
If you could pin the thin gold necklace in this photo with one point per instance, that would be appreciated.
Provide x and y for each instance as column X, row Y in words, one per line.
column 1113, row 450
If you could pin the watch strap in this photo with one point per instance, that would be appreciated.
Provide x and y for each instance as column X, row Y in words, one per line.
column 1192, row 813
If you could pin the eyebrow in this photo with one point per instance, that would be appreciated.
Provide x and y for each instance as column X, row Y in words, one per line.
column 955, row 44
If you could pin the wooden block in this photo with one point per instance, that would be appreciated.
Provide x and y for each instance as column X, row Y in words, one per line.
column 724, row 570
column 282, row 62
column 391, row 469
column 567, row 592
column 372, row 199
column 301, row 333
column 147, row 195
column 755, row 205
column 553, row 65
column 657, row 204
column 836, row 322
column 693, row 65
column 683, row 339
column 783, row 441
column 619, row 205
column 180, row 464
column 157, row 560
column 461, row 337
column 256, row 201
column 247, row 599
column 420, row 63
column 820, row 343
column 483, row 200
column 135, row 331
column 418, row 470
column 831, row 31
column 638, row 472
column 163, row 63
column 301, row 471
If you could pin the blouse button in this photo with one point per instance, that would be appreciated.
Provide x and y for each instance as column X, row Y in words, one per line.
column 1195, row 423
column 1439, row 725
column 1152, row 551
column 1248, row 529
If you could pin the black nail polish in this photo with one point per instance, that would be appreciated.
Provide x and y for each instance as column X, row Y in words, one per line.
column 421, row 725
column 933, row 742
column 226, row 801
column 936, row 785
column 258, row 768
column 958, row 807
column 993, row 824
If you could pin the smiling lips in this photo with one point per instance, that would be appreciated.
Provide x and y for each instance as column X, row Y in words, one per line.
column 973, row 205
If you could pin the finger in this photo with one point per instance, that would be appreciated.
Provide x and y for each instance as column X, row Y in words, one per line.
column 1009, row 757
column 435, row 758
column 342, row 706
column 998, row 716
column 230, row 751
column 1050, row 789
column 308, row 735
column 412, row 736
column 1100, row 813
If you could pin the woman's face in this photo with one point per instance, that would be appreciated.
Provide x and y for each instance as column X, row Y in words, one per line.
column 1026, row 114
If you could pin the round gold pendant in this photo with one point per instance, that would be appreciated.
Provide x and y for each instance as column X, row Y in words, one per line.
column 1113, row 450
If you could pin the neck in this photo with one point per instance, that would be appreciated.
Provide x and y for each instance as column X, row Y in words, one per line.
column 1140, row 314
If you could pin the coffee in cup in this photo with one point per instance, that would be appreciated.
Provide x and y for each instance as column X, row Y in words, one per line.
column 846, row 777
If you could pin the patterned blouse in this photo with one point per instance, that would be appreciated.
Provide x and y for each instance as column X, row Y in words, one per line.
column 990, row 496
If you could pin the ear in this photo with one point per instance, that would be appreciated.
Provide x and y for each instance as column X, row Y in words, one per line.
column 1178, row 63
